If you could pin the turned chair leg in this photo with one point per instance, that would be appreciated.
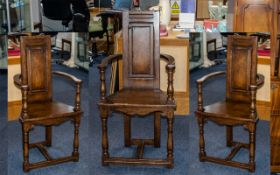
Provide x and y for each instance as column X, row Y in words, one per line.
column 252, row 141
column 170, row 120
column 48, row 133
column 25, row 137
column 157, row 126
column 75, row 153
column 105, row 145
column 202, row 152
column 127, row 130
column 229, row 134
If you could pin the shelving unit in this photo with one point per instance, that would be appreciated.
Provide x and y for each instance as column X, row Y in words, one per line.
column 3, row 52
column 3, row 17
column 81, row 59
column 18, row 15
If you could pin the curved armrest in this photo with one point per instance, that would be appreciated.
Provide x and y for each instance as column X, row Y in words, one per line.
column 66, row 75
column 260, row 80
column 78, row 83
column 17, row 81
column 211, row 75
column 199, row 87
column 169, row 59
column 108, row 60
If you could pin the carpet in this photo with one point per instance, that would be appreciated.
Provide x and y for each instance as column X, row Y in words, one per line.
column 3, row 121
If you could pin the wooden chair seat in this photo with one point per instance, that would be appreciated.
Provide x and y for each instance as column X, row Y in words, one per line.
column 139, row 98
column 50, row 110
column 228, row 110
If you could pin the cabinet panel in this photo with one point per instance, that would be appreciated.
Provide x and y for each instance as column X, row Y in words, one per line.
column 275, row 97
column 253, row 15
column 274, row 127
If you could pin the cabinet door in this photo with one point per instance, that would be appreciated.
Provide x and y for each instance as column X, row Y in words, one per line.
column 274, row 127
column 275, row 96
column 253, row 15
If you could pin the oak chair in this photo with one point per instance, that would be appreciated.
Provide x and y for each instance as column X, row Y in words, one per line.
column 239, row 107
column 38, row 107
column 141, row 94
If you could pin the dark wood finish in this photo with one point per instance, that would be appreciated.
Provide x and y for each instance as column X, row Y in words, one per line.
column 141, row 65
column 239, row 108
column 263, row 16
column 277, row 58
column 274, row 128
column 275, row 142
column 275, row 98
column 38, row 108
column 252, row 15
column 258, row 16
column 275, row 94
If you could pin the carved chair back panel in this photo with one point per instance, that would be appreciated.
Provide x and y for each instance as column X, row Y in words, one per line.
column 36, row 67
column 241, row 67
column 141, row 54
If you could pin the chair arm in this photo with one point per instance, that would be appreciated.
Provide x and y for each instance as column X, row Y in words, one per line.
column 260, row 80
column 170, row 68
column 108, row 60
column 211, row 75
column 66, row 75
column 169, row 59
column 17, row 81
column 102, row 68
column 199, row 87
column 78, row 83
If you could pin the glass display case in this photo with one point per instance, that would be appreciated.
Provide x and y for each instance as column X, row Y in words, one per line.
column 19, row 16
column 3, row 17
column 196, row 45
column 3, row 52
column 82, row 57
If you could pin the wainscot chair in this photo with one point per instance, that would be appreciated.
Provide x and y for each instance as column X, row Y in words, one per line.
column 141, row 94
column 239, row 107
column 38, row 107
